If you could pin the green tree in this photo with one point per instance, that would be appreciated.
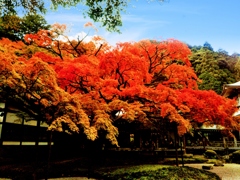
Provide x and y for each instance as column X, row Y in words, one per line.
column 32, row 23
column 237, row 69
column 222, row 51
column 107, row 12
column 212, row 68
column 14, row 27
column 207, row 46
column 9, row 26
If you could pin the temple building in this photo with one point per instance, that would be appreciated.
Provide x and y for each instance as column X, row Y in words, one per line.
column 19, row 130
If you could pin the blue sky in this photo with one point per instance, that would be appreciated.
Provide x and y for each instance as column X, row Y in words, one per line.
column 191, row 21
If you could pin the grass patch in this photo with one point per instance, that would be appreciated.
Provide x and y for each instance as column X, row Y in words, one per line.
column 152, row 172
column 81, row 167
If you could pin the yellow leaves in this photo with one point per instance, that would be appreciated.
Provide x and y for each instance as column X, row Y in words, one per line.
column 57, row 124
column 91, row 133
column 12, row 50
column 44, row 102
column 102, row 121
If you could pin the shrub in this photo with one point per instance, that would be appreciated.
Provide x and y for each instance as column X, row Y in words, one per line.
column 188, row 155
column 199, row 159
column 210, row 154
column 235, row 157
column 218, row 163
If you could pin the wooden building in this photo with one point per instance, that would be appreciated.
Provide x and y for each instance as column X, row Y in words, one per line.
column 18, row 130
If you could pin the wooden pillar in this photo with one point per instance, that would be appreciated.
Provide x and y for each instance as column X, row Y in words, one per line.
column 182, row 151
column 184, row 144
column 204, row 143
column 22, row 131
column 176, row 144
column 140, row 141
column 3, row 134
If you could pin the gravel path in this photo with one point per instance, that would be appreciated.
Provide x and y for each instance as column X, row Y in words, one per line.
column 226, row 172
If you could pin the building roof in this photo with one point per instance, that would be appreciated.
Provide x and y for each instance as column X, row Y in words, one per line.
column 237, row 113
column 212, row 127
column 228, row 88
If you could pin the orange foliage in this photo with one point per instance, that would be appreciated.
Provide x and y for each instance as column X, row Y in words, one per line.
column 59, row 44
column 91, row 89
column 207, row 106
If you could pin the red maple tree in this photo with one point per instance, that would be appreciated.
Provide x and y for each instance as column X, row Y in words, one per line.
column 145, row 81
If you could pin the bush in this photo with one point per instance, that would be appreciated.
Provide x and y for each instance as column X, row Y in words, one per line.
column 188, row 155
column 157, row 172
column 235, row 157
column 199, row 159
column 210, row 154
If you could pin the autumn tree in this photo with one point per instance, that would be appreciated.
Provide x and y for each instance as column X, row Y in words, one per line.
column 147, row 82
column 31, row 85
column 56, row 42
column 135, row 74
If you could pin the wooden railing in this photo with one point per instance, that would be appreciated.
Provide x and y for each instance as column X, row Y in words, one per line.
column 220, row 144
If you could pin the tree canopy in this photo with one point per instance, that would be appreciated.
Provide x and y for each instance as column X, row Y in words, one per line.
column 214, row 68
column 86, row 87
column 14, row 27
column 107, row 12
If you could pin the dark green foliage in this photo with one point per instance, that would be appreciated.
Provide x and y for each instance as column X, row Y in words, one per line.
column 14, row 27
column 32, row 23
column 11, row 6
column 222, row 51
column 208, row 46
column 107, row 12
column 213, row 68
column 235, row 157
column 9, row 27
